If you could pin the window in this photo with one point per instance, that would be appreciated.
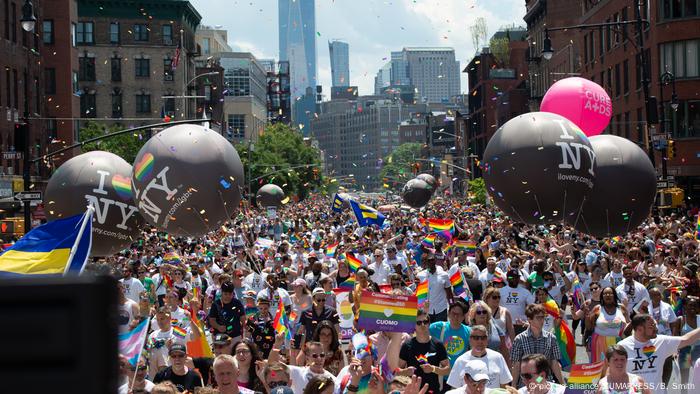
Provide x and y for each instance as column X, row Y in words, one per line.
column 50, row 78
column 591, row 42
column 627, row 125
column 114, row 33
column 601, row 35
column 167, row 34
column 236, row 126
column 37, row 96
column 143, row 68
column 84, row 33
column 8, row 89
column 7, row 19
column 51, row 129
column 75, row 82
column 625, row 77
column 143, row 103
column 87, row 105
column 675, row 9
column 73, row 34
column 140, row 32
column 13, row 22
column 15, row 89
column 86, row 68
column 682, row 58
column 608, row 36
column 117, row 103
column 205, row 46
column 585, row 49
column 116, row 68
column 169, row 106
column 640, row 131
column 624, row 27
column 47, row 32
column 167, row 69
column 618, row 85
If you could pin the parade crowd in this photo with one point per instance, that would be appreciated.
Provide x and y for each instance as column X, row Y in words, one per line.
column 631, row 302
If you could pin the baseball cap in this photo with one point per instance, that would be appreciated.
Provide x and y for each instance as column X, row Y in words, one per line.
column 497, row 279
column 227, row 287
column 177, row 347
column 299, row 282
column 222, row 339
column 476, row 369
column 281, row 390
column 318, row 290
column 263, row 298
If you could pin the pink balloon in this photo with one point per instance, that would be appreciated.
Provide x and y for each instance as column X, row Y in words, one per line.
column 583, row 102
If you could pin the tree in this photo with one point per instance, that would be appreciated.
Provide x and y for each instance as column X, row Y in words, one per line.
column 281, row 156
column 500, row 48
column 398, row 165
column 125, row 146
column 477, row 190
column 479, row 31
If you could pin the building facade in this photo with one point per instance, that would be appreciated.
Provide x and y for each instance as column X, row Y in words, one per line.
column 136, row 60
column 297, row 45
column 340, row 63
column 434, row 72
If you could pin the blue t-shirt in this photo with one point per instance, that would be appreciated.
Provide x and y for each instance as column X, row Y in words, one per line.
column 456, row 341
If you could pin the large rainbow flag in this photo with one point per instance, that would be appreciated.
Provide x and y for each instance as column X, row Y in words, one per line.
column 199, row 346
column 445, row 227
column 565, row 339
column 385, row 312
column 457, row 283
column 469, row 246
column 422, row 292
column 280, row 322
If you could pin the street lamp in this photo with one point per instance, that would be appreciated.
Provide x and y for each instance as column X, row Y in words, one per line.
column 28, row 22
column 547, row 50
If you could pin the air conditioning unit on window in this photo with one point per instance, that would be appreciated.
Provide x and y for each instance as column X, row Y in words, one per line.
column 168, row 77
column 10, row 171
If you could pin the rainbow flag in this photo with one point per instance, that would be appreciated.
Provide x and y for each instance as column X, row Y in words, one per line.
column 422, row 292
column 697, row 229
column 330, row 249
column 199, row 346
column 172, row 258
column 429, row 240
column 349, row 283
column 469, row 246
column 196, row 293
column 131, row 343
column 353, row 262
column 387, row 312
column 457, row 282
column 552, row 308
column 179, row 332
column 422, row 359
column 567, row 346
column 168, row 281
column 279, row 323
column 170, row 239
column 577, row 290
column 584, row 378
column 445, row 227
column 676, row 300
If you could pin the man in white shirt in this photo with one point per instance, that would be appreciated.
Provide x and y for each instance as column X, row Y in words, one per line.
column 439, row 288
column 490, row 271
column 254, row 281
column 515, row 298
column 381, row 268
column 615, row 277
column 274, row 294
column 663, row 313
column 300, row 376
column 393, row 259
column 647, row 351
column 132, row 286
column 497, row 370
column 632, row 292
column 475, row 379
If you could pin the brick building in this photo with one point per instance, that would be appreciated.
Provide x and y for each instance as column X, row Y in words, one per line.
column 133, row 53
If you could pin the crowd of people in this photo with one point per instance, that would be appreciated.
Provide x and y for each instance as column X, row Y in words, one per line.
column 637, row 311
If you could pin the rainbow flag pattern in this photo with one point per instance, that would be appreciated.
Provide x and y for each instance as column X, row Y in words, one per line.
column 552, row 308
column 422, row 292
column 469, row 246
column 577, row 291
column 122, row 185
column 584, row 378
column 330, row 249
column 199, row 346
column 280, row 323
column 144, row 167
column 697, row 229
column 353, row 262
column 422, row 359
column 676, row 300
column 429, row 240
column 386, row 312
column 348, row 284
column 445, row 227
column 457, row 283
column 179, row 332
column 172, row 258
column 567, row 346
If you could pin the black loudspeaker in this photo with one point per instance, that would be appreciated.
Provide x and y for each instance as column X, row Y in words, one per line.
column 652, row 110
column 59, row 335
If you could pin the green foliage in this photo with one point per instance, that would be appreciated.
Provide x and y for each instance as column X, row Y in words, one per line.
column 477, row 191
column 276, row 151
column 397, row 166
column 500, row 48
column 125, row 146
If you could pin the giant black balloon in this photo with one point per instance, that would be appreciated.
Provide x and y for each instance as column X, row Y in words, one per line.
column 102, row 179
column 429, row 179
column 538, row 167
column 416, row 193
column 624, row 190
column 270, row 195
column 187, row 180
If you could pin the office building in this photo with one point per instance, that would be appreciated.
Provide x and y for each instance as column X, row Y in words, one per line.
column 340, row 63
column 211, row 40
column 434, row 72
column 297, row 45
column 383, row 79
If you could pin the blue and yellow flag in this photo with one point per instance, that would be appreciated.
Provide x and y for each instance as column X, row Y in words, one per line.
column 337, row 205
column 55, row 248
column 366, row 215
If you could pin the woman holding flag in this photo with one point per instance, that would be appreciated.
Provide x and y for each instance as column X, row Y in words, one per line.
column 607, row 321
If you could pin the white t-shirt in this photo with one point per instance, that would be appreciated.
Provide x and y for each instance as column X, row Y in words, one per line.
column 382, row 270
column 515, row 300
column 615, row 278
column 498, row 370
column 132, row 288
column 633, row 297
column 275, row 299
column 647, row 359
column 254, row 281
column 664, row 316
column 485, row 276
column 554, row 388
column 301, row 375
column 437, row 283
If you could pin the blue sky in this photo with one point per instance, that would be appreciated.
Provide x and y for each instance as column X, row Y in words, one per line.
column 372, row 28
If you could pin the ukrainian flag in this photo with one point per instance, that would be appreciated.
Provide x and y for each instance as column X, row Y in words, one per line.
column 337, row 203
column 365, row 215
column 59, row 247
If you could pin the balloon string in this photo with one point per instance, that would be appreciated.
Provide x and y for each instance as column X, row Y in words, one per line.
column 538, row 204
column 563, row 212
column 607, row 221
column 578, row 214
column 629, row 221
column 221, row 198
column 517, row 213
column 204, row 222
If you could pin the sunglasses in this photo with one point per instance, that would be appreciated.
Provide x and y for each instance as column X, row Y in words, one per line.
column 178, row 355
column 528, row 376
column 595, row 288
column 317, row 355
column 496, row 297
column 320, row 299
column 481, row 312
column 478, row 337
column 422, row 322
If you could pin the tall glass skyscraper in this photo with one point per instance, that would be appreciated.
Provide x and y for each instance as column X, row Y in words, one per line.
column 297, row 42
column 340, row 62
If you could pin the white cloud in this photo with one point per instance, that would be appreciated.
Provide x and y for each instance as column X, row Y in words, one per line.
column 372, row 29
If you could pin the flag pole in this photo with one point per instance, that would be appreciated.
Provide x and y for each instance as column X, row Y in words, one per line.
column 133, row 379
column 74, row 248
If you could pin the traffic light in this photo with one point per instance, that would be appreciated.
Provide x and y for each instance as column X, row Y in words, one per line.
column 671, row 149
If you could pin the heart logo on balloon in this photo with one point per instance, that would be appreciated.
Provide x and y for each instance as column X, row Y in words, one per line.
column 388, row 312
column 122, row 185
column 144, row 167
